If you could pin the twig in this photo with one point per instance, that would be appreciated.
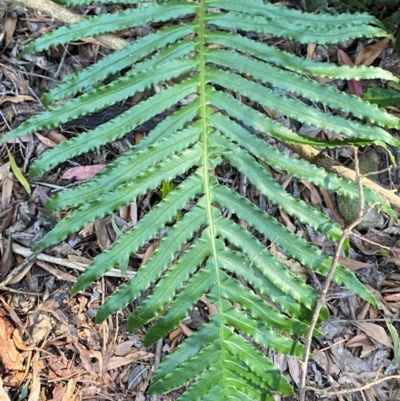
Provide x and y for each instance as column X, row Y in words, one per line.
column 157, row 360
column 329, row 277
column 321, row 160
column 351, row 390
column 388, row 248
column 27, row 253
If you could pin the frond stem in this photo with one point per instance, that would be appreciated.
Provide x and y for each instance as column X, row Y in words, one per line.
column 206, row 163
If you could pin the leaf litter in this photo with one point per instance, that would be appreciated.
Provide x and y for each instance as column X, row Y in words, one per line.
column 50, row 347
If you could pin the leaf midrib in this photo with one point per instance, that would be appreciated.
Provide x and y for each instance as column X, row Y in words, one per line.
column 206, row 166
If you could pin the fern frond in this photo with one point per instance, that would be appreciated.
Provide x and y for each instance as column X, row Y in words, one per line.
column 123, row 58
column 295, row 17
column 181, row 232
column 216, row 81
column 308, row 89
column 107, row 23
column 297, row 247
column 102, row 97
column 259, row 332
column 272, row 190
column 124, row 194
column 298, row 32
column 295, row 167
column 119, row 126
column 297, row 64
column 113, row 175
column 172, row 281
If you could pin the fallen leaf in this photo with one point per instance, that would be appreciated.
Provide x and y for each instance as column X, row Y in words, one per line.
column 68, row 396
column 370, row 53
column 56, row 137
column 355, row 87
column 58, row 392
column 34, row 393
column 48, row 142
column 13, row 77
column 376, row 332
column 9, row 28
column 354, row 264
column 392, row 298
column 82, row 172
column 294, row 368
column 137, row 375
column 16, row 99
column 6, row 192
column 4, row 171
column 118, row 361
column 360, row 340
column 124, row 348
column 311, row 51
column 17, row 172
column 10, row 357
column 102, row 236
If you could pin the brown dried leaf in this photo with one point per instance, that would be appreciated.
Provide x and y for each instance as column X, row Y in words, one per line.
column 6, row 260
column 376, row 332
column 58, row 392
column 59, row 274
column 4, row 171
column 46, row 141
column 10, row 357
column 82, row 172
column 41, row 328
column 16, row 99
column 360, row 340
column 315, row 197
column 68, row 396
column 294, row 368
column 370, row 53
column 56, row 137
column 185, row 330
column 19, row 275
column 149, row 251
column 311, row 51
column 9, row 28
column 288, row 223
column 118, row 361
column 354, row 264
column 34, row 393
column 124, row 348
column 13, row 77
column 6, row 192
column 103, row 238
column 392, row 298
column 212, row 309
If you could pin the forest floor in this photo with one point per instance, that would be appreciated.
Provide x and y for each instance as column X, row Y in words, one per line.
column 50, row 347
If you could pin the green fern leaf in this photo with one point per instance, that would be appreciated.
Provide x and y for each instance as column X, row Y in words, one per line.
column 297, row 64
column 215, row 82
column 107, row 23
column 123, row 58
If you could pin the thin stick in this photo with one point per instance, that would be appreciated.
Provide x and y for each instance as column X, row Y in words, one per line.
column 27, row 253
column 321, row 160
column 329, row 277
column 352, row 390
